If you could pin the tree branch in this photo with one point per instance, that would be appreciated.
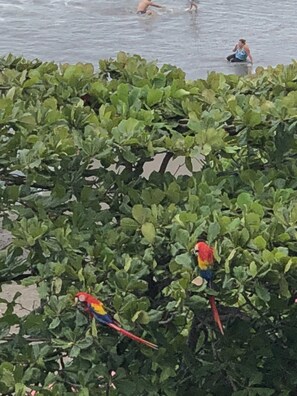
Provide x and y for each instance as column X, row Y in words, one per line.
column 196, row 325
column 165, row 161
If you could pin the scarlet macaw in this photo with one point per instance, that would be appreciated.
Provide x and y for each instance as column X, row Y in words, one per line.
column 205, row 261
column 96, row 309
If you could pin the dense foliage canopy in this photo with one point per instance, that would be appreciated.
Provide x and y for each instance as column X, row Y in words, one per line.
column 73, row 146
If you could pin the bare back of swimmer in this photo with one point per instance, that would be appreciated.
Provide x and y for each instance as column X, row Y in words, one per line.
column 143, row 7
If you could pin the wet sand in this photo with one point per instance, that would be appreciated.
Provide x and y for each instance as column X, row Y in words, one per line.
column 29, row 298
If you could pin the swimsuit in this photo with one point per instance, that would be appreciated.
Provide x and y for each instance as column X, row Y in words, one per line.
column 241, row 54
column 140, row 12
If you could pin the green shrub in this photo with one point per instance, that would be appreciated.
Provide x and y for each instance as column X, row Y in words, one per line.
column 73, row 146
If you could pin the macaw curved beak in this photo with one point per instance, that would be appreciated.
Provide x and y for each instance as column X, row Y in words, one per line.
column 75, row 300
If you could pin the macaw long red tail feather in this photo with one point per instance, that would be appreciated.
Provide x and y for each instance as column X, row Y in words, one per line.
column 215, row 313
column 132, row 336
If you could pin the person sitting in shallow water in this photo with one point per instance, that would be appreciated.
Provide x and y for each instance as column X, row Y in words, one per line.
column 143, row 6
column 241, row 52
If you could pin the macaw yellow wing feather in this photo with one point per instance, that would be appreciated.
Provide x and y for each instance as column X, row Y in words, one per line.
column 96, row 309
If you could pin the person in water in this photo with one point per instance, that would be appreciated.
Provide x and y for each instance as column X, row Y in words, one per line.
column 241, row 52
column 193, row 6
column 143, row 7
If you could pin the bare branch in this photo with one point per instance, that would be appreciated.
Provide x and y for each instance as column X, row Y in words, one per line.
column 165, row 161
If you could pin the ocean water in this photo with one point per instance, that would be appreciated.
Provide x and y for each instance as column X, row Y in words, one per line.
column 88, row 30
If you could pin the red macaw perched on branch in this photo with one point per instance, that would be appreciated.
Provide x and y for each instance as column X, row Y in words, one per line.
column 205, row 260
column 95, row 308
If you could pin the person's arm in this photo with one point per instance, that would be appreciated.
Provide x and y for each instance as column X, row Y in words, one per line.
column 235, row 48
column 248, row 52
column 156, row 5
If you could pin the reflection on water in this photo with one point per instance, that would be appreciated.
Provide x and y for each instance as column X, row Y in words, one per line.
column 88, row 30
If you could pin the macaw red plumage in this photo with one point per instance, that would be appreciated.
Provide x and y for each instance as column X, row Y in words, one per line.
column 205, row 261
column 96, row 309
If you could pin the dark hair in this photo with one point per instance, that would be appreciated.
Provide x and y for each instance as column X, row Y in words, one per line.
column 243, row 41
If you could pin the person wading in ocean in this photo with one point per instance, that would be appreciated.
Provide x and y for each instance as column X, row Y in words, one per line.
column 241, row 52
column 193, row 6
column 143, row 6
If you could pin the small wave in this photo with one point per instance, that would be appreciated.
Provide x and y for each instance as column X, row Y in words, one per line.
column 70, row 3
column 8, row 5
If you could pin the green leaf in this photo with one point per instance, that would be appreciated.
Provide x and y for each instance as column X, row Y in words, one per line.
column 6, row 375
column 253, row 269
column 152, row 196
column 31, row 280
column 12, row 193
column 7, row 378
column 228, row 260
column 94, row 331
column 288, row 266
column 149, row 232
column 244, row 237
column 183, row 236
column 180, row 93
column 83, row 392
column 139, row 213
column 141, row 317
column 57, row 285
column 184, row 260
column 293, row 215
column 259, row 242
column 252, row 118
column 173, row 192
column 262, row 292
column 20, row 389
column 244, row 200
column 55, row 323
column 129, row 156
column 74, row 352
column 126, row 387
column 154, row 96
column 166, row 373
column 129, row 224
column 284, row 287
column 213, row 231
column 201, row 341
column 10, row 319
column 85, row 343
column 252, row 221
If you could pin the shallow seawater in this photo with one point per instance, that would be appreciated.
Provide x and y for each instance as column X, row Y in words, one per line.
column 88, row 30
